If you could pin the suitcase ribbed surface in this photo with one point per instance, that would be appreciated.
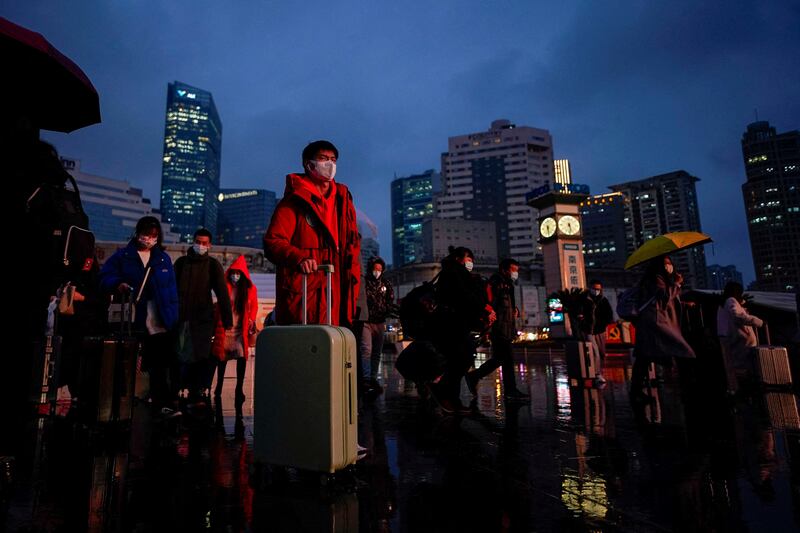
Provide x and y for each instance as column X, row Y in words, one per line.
column 782, row 410
column 772, row 365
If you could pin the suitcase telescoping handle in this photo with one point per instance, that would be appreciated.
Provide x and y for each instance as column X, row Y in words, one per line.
column 328, row 269
column 766, row 334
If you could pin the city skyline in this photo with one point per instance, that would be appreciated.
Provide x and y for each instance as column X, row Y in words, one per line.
column 659, row 88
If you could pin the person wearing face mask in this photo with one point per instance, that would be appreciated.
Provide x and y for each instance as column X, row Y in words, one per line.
column 595, row 317
column 658, row 328
column 376, row 305
column 736, row 334
column 198, row 274
column 156, row 311
column 234, row 344
column 462, row 308
column 315, row 224
column 504, row 331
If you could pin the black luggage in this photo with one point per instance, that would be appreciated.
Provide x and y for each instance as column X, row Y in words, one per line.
column 107, row 380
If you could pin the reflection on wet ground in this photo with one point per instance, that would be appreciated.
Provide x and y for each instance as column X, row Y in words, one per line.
column 574, row 459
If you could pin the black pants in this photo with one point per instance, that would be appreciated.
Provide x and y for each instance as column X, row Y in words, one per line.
column 160, row 361
column 458, row 350
column 501, row 356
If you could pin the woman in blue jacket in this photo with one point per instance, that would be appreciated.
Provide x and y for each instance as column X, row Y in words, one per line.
column 157, row 308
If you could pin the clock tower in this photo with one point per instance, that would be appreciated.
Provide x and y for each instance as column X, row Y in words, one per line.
column 561, row 237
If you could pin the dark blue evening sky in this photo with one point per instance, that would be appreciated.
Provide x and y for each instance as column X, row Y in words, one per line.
column 627, row 89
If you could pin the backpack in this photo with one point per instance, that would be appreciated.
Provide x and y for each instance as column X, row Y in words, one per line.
column 56, row 219
column 417, row 309
column 629, row 303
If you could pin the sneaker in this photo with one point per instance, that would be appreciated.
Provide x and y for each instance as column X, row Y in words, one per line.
column 472, row 382
column 600, row 381
column 165, row 413
column 361, row 452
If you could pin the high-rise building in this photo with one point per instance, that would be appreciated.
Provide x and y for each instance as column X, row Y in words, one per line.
column 191, row 164
column 772, row 203
column 486, row 175
column 439, row 234
column 604, row 241
column 563, row 172
column 718, row 276
column 412, row 203
column 663, row 204
column 243, row 216
column 113, row 206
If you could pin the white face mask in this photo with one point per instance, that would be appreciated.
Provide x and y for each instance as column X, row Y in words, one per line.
column 597, row 292
column 514, row 276
column 376, row 273
column 322, row 170
column 235, row 278
column 669, row 268
column 200, row 249
column 147, row 242
column 468, row 265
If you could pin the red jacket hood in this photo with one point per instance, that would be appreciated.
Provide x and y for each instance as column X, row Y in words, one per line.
column 294, row 187
column 241, row 265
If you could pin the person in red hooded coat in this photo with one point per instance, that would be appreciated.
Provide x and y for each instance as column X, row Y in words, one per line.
column 234, row 343
column 315, row 224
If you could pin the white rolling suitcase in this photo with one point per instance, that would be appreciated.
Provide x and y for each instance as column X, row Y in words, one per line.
column 305, row 403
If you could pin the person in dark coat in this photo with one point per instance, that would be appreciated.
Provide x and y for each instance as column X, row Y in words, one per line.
column 156, row 311
column 197, row 275
column 658, row 329
column 595, row 318
column 376, row 305
column 503, row 332
column 462, row 308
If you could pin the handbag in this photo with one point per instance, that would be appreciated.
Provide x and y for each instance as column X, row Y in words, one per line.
column 66, row 300
column 126, row 311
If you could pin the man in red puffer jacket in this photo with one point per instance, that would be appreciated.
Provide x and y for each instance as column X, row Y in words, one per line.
column 315, row 224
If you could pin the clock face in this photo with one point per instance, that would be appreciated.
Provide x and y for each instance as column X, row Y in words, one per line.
column 569, row 225
column 548, row 227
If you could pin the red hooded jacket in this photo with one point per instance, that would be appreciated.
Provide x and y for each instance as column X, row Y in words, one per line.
column 250, row 310
column 297, row 232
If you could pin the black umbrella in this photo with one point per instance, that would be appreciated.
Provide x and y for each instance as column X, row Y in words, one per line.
column 42, row 83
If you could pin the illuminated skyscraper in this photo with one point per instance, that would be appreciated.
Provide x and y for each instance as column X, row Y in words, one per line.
column 664, row 204
column 412, row 203
column 772, row 203
column 486, row 175
column 191, row 165
column 243, row 216
column 604, row 230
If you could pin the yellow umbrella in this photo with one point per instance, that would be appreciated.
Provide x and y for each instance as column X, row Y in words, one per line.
column 666, row 244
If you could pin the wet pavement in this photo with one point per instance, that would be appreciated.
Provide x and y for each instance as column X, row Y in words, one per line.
column 573, row 459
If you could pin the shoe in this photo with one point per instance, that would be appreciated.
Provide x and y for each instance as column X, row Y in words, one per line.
column 373, row 383
column 361, row 452
column 600, row 381
column 472, row 382
column 166, row 413
column 516, row 395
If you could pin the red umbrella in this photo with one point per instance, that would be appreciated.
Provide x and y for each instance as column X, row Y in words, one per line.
column 42, row 83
